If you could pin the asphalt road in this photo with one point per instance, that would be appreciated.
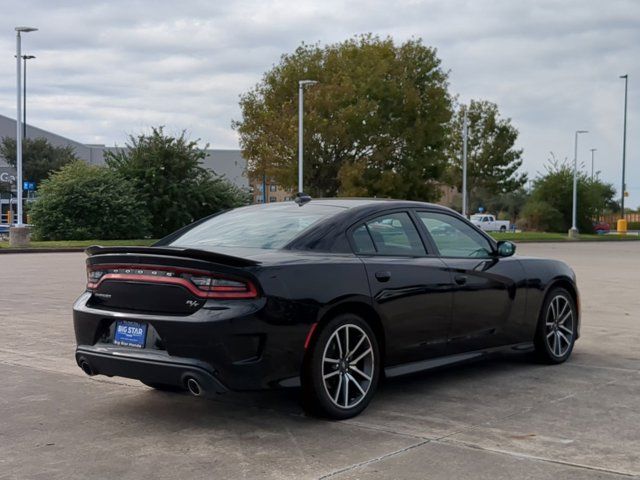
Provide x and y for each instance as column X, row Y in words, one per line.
column 504, row 418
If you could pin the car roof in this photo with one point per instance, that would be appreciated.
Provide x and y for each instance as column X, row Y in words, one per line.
column 352, row 202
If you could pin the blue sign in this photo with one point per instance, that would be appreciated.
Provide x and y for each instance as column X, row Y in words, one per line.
column 29, row 186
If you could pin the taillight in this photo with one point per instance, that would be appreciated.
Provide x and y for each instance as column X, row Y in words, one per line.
column 220, row 287
column 200, row 283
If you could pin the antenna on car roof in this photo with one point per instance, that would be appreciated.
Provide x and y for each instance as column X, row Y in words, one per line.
column 302, row 198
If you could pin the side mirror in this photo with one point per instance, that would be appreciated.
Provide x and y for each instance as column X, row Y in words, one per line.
column 506, row 249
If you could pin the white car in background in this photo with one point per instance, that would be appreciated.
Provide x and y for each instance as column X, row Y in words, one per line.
column 488, row 223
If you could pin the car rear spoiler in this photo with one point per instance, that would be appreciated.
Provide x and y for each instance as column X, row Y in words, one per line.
column 175, row 252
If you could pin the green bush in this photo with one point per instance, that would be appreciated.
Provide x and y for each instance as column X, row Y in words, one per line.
column 630, row 225
column 540, row 216
column 83, row 201
column 170, row 181
column 554, row 192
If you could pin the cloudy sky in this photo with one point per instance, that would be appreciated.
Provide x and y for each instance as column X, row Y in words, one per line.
column 107, row 69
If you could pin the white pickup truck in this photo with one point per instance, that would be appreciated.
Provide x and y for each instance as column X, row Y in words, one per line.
column 488, row 223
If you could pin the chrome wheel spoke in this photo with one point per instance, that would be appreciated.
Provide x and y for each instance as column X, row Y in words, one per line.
column 332, row 374
column 563, row 337
column 355, row 349
column 353, row 380
column 568, row 331
column 360, row 372
column 346, row 390
column 335, row 398
column 338, row 343
column 564, row 319
column 559, row 344
column 362, row 355
column 330, row 360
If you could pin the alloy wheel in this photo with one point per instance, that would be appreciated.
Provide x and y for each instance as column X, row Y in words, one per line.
column 559, row 324
column 348, row 365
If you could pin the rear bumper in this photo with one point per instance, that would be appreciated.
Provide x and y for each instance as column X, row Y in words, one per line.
column 149, row 368
column 232, row 346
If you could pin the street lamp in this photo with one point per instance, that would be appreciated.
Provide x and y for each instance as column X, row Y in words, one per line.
column 301, row 85
column 24, row 92
column 593, row 150
column 465, row 136
column 19, row 31
column 624, row 143
column 574, row 229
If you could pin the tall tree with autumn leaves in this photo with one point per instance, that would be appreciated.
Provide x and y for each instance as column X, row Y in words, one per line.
column 493, row 161
column 376, row 124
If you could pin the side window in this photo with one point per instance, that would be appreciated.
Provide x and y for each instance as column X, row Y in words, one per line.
column 454, row 237
column 362, row 240
column 391, row 234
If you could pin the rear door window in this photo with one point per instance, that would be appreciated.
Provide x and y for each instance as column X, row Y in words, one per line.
column 389, row 234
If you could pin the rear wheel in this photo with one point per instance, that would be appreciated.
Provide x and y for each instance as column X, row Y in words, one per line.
column 556, row 333
column 503, row 229
column 342, row 368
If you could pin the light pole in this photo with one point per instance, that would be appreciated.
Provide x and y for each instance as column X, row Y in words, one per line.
column 301, row 85
column 24, row 94
column 624, row 144
column 465, row 134
column 593, row 151
column 19, row 223
column 574, row 229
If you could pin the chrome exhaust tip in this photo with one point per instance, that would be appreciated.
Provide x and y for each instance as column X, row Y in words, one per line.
column 194, row 387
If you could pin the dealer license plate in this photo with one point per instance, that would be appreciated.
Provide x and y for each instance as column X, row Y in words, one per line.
column 130, row 334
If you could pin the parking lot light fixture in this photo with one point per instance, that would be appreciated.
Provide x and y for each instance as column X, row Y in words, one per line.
column 624, row 145
column 574, row 217
column 19, row 31
column 301, row 85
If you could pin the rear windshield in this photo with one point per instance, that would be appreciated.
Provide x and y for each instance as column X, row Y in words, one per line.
column 256, row 227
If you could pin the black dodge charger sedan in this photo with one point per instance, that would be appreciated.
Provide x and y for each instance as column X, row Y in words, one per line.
column 330, row 295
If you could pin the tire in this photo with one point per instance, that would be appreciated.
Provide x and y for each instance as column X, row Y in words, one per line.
column 164, row 387
column 336, row 385
column 503, row 229
column 556, row 331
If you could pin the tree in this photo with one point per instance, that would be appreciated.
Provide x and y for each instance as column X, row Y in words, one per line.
column 551, row 202
column 492, row 159
column 374, row 125
column 82, row 201
column 39, row 157
column 170, row 182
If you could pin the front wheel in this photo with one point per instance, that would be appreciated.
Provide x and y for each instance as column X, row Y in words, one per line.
column 342, row 369
column 556, row 333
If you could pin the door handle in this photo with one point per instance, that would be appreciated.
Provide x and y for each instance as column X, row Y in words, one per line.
column 460, row 279
column 383, row 276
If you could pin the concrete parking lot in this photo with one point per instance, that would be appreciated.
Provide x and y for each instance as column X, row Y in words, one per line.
column 504, row 418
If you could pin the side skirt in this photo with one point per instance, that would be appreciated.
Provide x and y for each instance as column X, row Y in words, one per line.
column 422, row 365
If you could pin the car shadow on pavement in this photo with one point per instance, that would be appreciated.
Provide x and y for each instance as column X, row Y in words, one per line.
column 392, row 393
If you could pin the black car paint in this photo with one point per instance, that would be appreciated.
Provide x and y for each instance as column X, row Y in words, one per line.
column 423, row 313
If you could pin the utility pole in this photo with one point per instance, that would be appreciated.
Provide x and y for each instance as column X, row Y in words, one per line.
column 624, row 145
column 301, row 85
column 465, row 134
column 574, row 217
column 18, row 234
column 593, row 150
